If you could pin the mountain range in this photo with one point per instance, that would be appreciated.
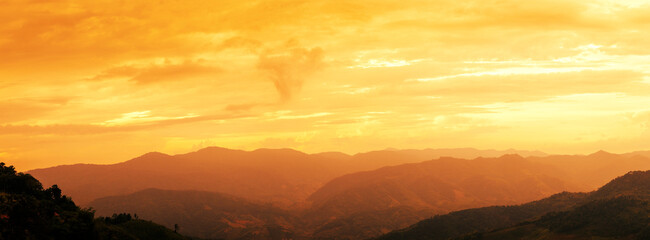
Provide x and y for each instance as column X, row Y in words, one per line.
column 286, row 194
column 280, row 176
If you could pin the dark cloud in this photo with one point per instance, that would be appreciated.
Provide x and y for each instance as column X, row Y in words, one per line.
column 288, row 69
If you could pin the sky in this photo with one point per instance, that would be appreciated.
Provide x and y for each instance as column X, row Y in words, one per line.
column 105, row 81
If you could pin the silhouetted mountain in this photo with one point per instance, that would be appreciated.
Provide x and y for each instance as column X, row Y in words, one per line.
column 617, row 210
column 365, row 203
column 392, row 157
column 636, row 183
column 443, row 185
column 205, row 214
column 27, row 211
column 355, row 206
column 437, row 186
column 282, row 176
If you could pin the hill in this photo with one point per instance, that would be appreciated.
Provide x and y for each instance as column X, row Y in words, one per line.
column 431, row 187
column 442, row 184
column 28, row 211
column 205, row 214
column 618, row 210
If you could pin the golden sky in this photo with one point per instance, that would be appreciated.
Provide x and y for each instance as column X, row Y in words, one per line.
column 103, row 81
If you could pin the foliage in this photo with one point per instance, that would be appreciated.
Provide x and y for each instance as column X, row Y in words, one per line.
column 27, row 211
column 616, row 217
column 124, row 227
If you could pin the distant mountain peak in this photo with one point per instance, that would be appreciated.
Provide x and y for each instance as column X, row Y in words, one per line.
column 146, row 159
column 214, row 149
column 602, row 153
column 149, row 156
column 153, row 154
column 278, row 150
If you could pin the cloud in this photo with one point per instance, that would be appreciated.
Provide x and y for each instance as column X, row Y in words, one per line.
column 486, row 88
column 18, row 109
column 241, row 107
column 313, row 115
column 86, row 129
column 156, row 73
column 241, row 42
column 288, row 68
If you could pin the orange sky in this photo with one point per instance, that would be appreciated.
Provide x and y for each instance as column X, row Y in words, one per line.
column 104, row 81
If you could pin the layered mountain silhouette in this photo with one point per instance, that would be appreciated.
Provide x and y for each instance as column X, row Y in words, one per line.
column 618, row 210
column 436, row 186
column 443, row 184
column 286, row 194
column 282, row 176
column 332, row 213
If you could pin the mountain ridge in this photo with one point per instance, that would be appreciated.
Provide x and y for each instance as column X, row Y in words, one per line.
column 280, row 169
column 450, row 226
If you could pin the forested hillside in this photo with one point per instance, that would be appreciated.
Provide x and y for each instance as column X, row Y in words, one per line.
column 28, row 211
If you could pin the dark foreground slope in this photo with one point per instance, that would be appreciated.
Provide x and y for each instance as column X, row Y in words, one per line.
column 482, row 219
column 27, row 211
column 618, row 210
column 625, row 217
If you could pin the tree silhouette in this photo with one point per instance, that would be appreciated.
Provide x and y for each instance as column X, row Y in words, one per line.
column 29, row 212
